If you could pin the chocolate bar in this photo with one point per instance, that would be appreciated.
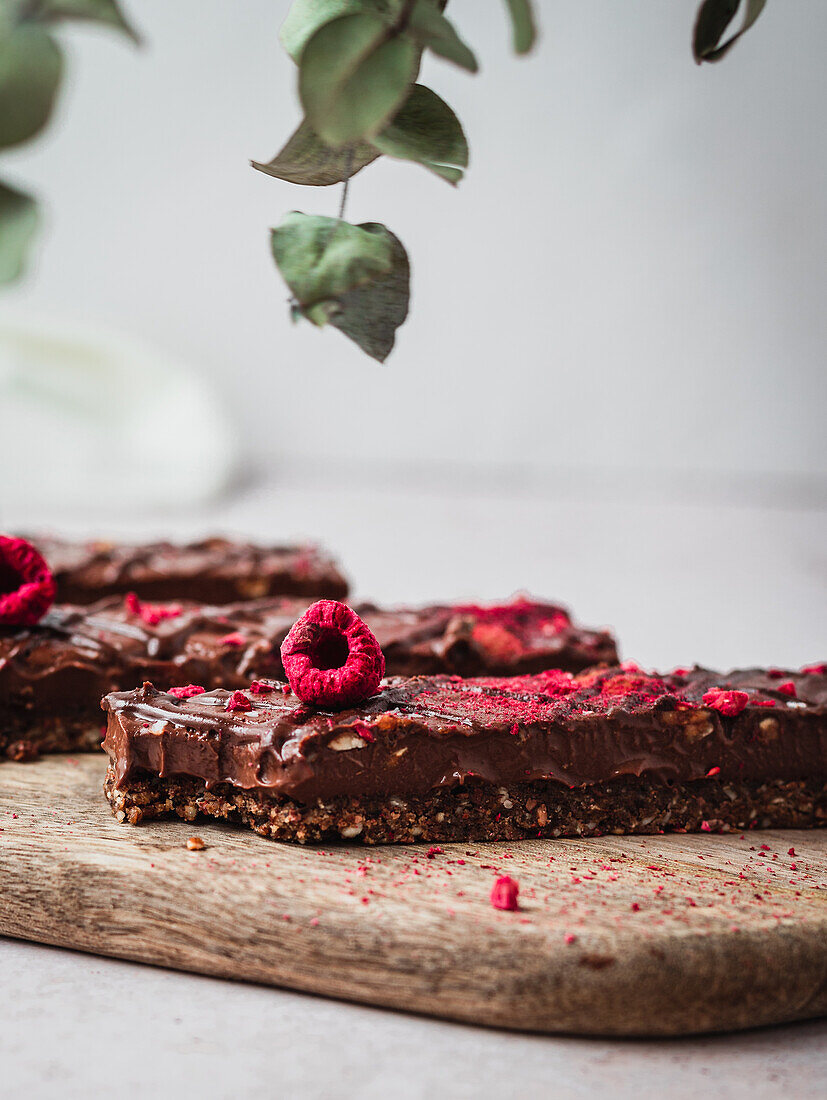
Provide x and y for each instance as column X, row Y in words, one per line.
column 443, row 759
column 53, row 674
column 213, row 571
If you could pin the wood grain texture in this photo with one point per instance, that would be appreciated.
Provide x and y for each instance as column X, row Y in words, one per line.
column 617, row 936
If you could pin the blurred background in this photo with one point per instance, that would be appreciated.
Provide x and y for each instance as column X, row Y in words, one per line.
column 610, row 390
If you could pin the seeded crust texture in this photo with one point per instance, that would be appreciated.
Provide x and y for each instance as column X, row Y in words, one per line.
column 481, row 811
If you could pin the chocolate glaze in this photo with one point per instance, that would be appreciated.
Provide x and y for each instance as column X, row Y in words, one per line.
column 74, row 655
column 215, row 570
column 429, row 732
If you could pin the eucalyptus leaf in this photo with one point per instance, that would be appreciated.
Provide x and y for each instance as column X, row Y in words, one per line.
column 432, row 30
column 354, row 76
column 31, row 66
column 306, row 159
column 323, row 258
column 94, row 11
column 18, row 225
column 308, row 16
column 427, row 131
column 371, row 314
column 522, row 25
column 714, row 16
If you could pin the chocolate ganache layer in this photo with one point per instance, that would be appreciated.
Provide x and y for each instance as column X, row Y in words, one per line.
column 428, row 733
column 53, row 674
column 215, row 570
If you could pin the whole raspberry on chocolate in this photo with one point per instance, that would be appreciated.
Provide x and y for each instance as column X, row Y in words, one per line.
column 27, row 588
column 331, row 658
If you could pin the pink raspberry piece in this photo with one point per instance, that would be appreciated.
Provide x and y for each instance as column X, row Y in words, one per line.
column 151, row 613
column 27, row 587
column 187, row 692
column 234, row 639
column 331, row 658
column 238, row 701
column 504, row 893
column 261, row 687
column 729, row 703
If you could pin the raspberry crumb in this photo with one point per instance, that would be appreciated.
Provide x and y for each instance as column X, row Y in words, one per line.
column 238, row 701
column 713, row 771
column 187, row 692
column 706, row 827
column 261, row 687
column 791, row 852
column 570, row 937
column 196, row 844
column 235, row 639
column 635, row 907
column 435, row 851
column 787, row 688
column 151, row 613
column 729, row 703
column 504, row 893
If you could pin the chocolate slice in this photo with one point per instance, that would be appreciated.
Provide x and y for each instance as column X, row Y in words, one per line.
column 439, row 758
column 52, row 675
column 215, row 570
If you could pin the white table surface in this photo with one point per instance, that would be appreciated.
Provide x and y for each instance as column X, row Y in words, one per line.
column 726, row 578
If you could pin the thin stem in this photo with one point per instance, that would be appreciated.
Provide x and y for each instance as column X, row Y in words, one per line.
column 346, row 187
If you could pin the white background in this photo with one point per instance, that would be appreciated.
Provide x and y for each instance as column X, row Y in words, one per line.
column 632, row 276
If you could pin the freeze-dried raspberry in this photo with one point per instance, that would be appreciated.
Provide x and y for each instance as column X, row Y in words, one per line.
column 331, row 658
column 187, row 692
column 504, row 893
column 151, row 613
column 238, row 701
column 27, row 587
column 814, row 670
column 729, row 703
column 261, row 687
column 234, row 639
column 787, row 688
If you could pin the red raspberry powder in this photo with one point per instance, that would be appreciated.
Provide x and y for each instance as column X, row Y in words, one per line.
column 728, row 703
column 27, row 587
column 331, row 658
column 504, row 893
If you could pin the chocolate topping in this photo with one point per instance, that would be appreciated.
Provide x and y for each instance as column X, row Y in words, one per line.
column 74, row 655
column 215, row 570
column 431, row 732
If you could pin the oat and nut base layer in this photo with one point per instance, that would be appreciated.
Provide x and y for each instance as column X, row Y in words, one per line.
column 480, row 811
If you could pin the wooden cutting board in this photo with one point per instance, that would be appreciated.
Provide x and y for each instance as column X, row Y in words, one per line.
column 618, row 936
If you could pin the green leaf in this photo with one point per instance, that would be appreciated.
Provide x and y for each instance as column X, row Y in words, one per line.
column 323, row 258
column 371, row 314
column 427, row 131
column 31, row 66
column 354, row 277
column 354, row 76
column 18, row 225
column 94, row 11
column 307, row 160
column 431, row 29
column 308, row 16
column 714, row 16
column 522, row 25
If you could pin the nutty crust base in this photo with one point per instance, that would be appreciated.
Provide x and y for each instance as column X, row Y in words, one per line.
column 481, row 811
column 50, row 735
